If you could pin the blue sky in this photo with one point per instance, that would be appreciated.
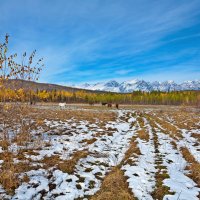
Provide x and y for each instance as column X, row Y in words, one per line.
column 96, row 40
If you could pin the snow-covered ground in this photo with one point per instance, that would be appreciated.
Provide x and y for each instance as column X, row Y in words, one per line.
column 106, row 146
column 141, row 175
column 182, row 186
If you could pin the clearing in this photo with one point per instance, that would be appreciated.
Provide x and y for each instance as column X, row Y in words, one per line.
column 97, row 153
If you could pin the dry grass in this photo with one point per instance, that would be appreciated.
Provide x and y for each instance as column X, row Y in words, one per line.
column 6, row 156
column 50, row 161
column 193, row 166
column 186, row 119
column 79, row 115
column 114, row 187
column 183, row 117
column 197, row 136
column 187, row 155
column 140, row 120
column 67, row 166
column 28, row 118
column 133, row 150
column 8, row 179
column 143, row 135
column 195, row 172
column 89, row 141
column 160, row 190
column 9, row 171
column 174, row 144
column 168, row 128
column 4, row 144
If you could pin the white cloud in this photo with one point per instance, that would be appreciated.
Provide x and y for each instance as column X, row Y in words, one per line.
column 112, row 36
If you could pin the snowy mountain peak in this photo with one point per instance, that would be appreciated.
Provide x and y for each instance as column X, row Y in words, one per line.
column 112, row 83
column 170, row 81
column 141, row 85
column 85, row 85
column 134, row 81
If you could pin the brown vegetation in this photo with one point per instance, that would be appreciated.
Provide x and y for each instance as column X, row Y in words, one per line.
column 193, row 165
column 133, row 150
column 114, row 187
column 160, row 189
column 143, row 135
column 67, row 166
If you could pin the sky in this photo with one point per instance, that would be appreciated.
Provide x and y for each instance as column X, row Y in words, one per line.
column 99, row 40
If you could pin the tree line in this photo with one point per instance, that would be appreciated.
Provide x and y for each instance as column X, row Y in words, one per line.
column 138, row 97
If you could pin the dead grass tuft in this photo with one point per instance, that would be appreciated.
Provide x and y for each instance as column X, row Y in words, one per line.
column 6, row 156
column 67, row 166
column 193, row 166
column 195, row 172
column 89, row 141
column 187, row 155
column 114, row 187
column 132, row 150
column 9, row 171
column 4, row 144
column 197, row 136
column 160, row 190
column 8, row 179
column 143, row 135
column 140, row 121
column 50, row 161
column 170, row 129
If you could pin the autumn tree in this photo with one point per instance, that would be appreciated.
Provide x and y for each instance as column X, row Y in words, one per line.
column 7, row 64
column 27, row 70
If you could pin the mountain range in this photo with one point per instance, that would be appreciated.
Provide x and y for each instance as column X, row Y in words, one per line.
column 141, row 85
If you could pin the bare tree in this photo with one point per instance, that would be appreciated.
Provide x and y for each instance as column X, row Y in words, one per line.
column 8, row 66
column 28, row 70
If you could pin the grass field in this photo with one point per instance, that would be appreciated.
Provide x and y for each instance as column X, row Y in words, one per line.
column 92, row 152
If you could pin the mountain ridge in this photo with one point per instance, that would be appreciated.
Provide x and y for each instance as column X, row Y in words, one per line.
column 141, row 85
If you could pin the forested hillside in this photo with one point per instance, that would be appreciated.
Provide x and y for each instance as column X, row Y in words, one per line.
column 81, row 96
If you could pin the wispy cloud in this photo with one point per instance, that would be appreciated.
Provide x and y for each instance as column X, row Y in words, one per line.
column 96, row 40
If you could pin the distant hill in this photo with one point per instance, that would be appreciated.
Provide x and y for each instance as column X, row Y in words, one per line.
column 17, row 84
column 109, row 87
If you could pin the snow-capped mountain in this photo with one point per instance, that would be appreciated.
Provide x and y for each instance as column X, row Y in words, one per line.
column 141, row 85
